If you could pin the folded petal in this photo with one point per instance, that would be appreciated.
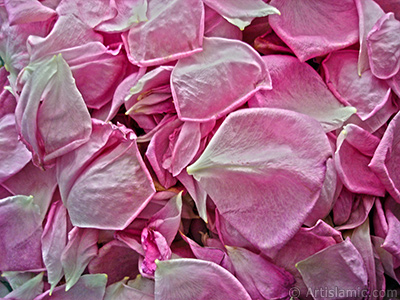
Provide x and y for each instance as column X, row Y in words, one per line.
column 283, row 161
column 310, row 28
column 202, row 85
column 104, row 183
column 241, row 13
column 384, row 47
column 386, row 159
column 338, row 267
column 298, row 87
column 164, row 36
column 182, row 279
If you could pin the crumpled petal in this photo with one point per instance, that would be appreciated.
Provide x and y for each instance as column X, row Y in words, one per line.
column 385, row 161
column 20, row 231
column 339, row 266
column 164, row 36
column 26, row 11
column 13, row 153
column 310, row 28
column 260, row 277
column 182, row 279
column 368, row 13
column 297, row 87
column 285, row 160
column 104, row 183
column 205, row 87
column 241, row 13
column 50, row 103
column 155, row 247
column 367, row 93
column 80, row 250
column 384, row 47
column 88, row 287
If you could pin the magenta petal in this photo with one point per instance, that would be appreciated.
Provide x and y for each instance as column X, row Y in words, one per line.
column 26, row 11
column 339, row 266
column 391, row 243
column 265, row 166
column 202, row 83
column 88, row 287
column 260, row 277
column 384, row 47
column 386, row 159
column 298, row 87
column 21, row 228
column 165, row 37
column 310, row 28
column 182, row 279
column 104, row 183
column 80, row 250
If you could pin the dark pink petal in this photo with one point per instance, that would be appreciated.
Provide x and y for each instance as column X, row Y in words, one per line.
column 27, row 11
column 165, row 37
column 384, row 47
column 104, row 183
column 386, row 159
column 310, row 28
column 284, row 160
column 54, row 240
column 88, row 287
column 13, row 153
column 368, row 13
column 260, row 277
column 80, row 250
column 391, row 243
column 50, row 103
column 339, row 266
column 390, row 6
column 202, row 83
column 352, row 160
column 366, row 93
column 241, row 13
column 20, row 231
column 116, row 260
column 182, row 279
column 298, row 87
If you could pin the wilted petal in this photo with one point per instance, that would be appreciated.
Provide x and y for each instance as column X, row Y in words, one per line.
column 80, row 250
column 339, row 266
column 384, row 47
column 20, row 231
column 260, row 277
column 297, row 87
column 182, row 279
column 310, row 28
column 165, row 36
column 386, row 159
column 26, row 11
column 283, row 161
column 50, row 103
column 88, row 287
column 205, row 87
column 241, row 13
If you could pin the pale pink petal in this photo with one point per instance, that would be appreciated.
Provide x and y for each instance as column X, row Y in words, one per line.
column 28, row 290
column 174, row 29
column 310, row 28
column 216, row 26
column 298, row 87
column 384, row 47
column 202, row 84
column 104, row 183
column 140, row 288
column 386, row 159
column 366, row 93
column 368, row 13
column 339, row 266
column 80, row 250
column 27, row 11
column 182, row 279
column 241, row 13
column 283, row 161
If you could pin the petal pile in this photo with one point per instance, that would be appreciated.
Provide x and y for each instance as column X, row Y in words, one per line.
column 199, row 149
